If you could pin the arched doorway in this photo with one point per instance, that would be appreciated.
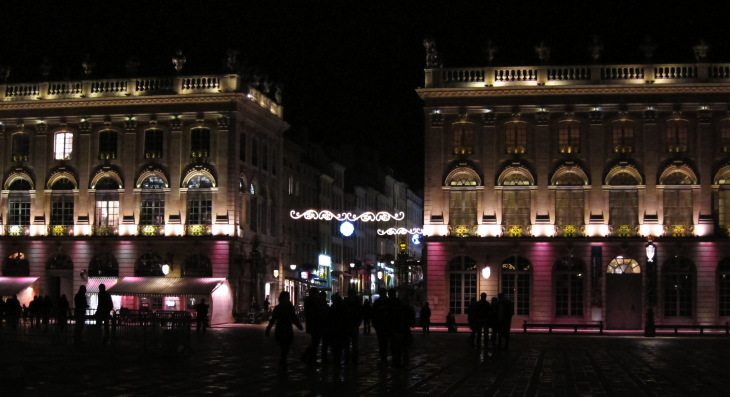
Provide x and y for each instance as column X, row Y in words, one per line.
column 516, row 275
column 623, row 294
column 59, row 276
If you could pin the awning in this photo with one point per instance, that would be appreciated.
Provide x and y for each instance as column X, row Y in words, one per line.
column 10, row 286
column 166, row 286
column 92, row 285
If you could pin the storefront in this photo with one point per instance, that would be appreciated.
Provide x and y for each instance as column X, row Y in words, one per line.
column 20, row 286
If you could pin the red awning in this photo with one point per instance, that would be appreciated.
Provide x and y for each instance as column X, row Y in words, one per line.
column 92, row 285
column 10, row 286
column 166, row 286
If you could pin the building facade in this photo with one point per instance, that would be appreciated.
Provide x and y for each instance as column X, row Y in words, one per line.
column 125, row 178
column 548, row 183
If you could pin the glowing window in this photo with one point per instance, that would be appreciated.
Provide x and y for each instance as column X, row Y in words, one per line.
column 622, row 265
column 62, row 146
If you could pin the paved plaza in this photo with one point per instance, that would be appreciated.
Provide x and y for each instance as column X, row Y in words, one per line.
column 239, row 360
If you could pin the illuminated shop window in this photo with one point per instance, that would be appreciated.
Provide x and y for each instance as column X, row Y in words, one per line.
column 462, row 283
column 678, row 274
column 569, row 285
column 516, row 275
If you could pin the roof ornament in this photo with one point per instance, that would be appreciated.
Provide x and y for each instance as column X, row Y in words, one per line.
column 700, row 50
column 5, row 73
column 648, row 47
column 596, row 47
column 489, row 50
column 232, row 60
column 88, row 65
column 46, row 67
column 432, row 56
column 179, row 61
column 132, row 66
column 279, row 87
column 543, row 52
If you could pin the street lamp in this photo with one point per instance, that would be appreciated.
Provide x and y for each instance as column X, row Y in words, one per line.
column 650, row 329
column 293, row 267
column 165, row 269
column 486, row 272
column 276, row 273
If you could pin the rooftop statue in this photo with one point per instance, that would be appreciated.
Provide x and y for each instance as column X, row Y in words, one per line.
column 596, row 47
column 700, row 50
column 543, row 52
column 648, row 46
column 432, row 57
column 179, row 61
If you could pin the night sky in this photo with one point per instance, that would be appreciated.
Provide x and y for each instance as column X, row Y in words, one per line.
column 349, row 68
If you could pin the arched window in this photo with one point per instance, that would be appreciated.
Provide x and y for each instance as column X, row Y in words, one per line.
column 678, row 275
column 723, row 281
column 107, row 145
column 153, row 182
column 199, row 182
column 104, row 265
column 20, row 185
column 516, row 275
column 16, row 265
column 153, row 140
column 152, row 211
column 515, row 137
column 200, row 202
column 623, row 136
column 21, row 146
column 200, row 142
column 107, row 207
column 60, row 261
column 19, row 206
column 623, row 202
column 63, row 145
column 462, row 283
column 569, row 136
column 197, row 265
column 149, row 265
column 677, row 131
column 463, row 138
column 621, row 265
column 677, row 178
column 62, row 206
column 569, row 286
column 463, row 200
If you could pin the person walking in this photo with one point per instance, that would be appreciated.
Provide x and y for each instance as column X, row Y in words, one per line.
column 426, row 319
column 62, row 314
column 312, row 324
column 451, row 322
column 367, row 314
column 32, row 310
column 284, row 316
column 14, row 311
column 494, row 320
column 80, row 306
column 380, row 323
column 471, row 318
column 103, row 309
column 482, row 321
column 353, row 312
column 506, row 311
column 201, row 316
column 407, row 321
column 324, row 321
column 336, row 329
column 394, row 327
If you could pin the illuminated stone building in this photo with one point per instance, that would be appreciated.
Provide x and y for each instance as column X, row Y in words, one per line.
column 545, row 182
column 115, row 178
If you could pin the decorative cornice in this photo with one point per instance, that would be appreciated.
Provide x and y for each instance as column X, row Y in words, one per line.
column 680, row 167
column 18, row 174
column 105, row 173
column 515, row 168
column 151, row 172
column 569, row 168
column 576, row 90
column 119, row 101
column 624, row 168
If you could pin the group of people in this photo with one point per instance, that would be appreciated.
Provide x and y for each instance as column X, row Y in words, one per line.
column 39, row 311
column 336, row 327
column 497, row 316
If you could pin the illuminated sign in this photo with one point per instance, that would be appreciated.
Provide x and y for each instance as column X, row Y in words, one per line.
column 326, row 215
column 416, row 239
column 304, row 275
column 398, row 231
column 325, row 260
column 347, row 228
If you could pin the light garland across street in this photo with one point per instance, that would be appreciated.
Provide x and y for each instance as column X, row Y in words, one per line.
column 401, row 230
column 326, row 215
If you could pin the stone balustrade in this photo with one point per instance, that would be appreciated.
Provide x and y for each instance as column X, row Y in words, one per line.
column 576, row 75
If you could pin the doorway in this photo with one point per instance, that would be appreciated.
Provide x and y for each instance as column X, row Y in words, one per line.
column 59, row 282
column 623, row 295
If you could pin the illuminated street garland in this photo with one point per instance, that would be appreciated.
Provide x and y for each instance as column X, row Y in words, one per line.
column 326, row 215
column 401, row 230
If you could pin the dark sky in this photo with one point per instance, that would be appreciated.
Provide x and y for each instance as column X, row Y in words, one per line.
column 349, row 68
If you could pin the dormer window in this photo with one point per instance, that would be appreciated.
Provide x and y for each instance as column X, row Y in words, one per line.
column 516, row 137
column 569, row 136
column 623, row 136
column 677, row 135
column 62, row 145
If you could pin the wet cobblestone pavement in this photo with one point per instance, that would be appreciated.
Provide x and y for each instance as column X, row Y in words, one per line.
column 239, row 360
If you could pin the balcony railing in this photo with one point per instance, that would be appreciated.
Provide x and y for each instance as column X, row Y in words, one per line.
column 150, row 230
column 197, row 273
column 198, row 230
column 516, row 230
column 570, row 231
column 104, row 230
column 623, row 230
column 60, row 230
column 462, row 230
column 679, row 231
column 17, row 230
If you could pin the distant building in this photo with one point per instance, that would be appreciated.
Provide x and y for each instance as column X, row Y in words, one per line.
column 545, row 183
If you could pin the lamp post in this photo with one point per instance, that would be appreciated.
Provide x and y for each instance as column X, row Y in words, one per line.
column 649, row 327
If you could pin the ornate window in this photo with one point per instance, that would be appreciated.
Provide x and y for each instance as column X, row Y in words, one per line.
column 107, row 207
column 623, row 136
column 621, row 265
column 677, row 135
column 153, row 202
column 725, row 135
column 516, row 275
column 200, row 142
column 60, row 261
column 516, row 207
column 149, row 265
column 107, row 145
column 62, row 145
column 569, row 136
column 104, row 265
column 21, row 146
column 62, row 202
column 200, row 208
column 463, row 207
column 463, row 138
column 723, row 281
column 462, row 283
column 723, row 179
column 515, row 137
column 153, row 141
column 569, row 280
column 16, row 265
column 678, row 207
column 197, row 265
column 153, row 182
column 569, row 207
column 623, row 210
column 242, row 148
column 19, row 203
column 678, row 274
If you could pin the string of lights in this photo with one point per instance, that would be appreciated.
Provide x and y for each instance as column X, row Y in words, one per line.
column 399, row 231
column 326, row 215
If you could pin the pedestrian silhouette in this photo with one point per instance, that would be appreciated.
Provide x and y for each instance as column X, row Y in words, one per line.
column 367, row 314
column 324, row 320
column 482, row 319
column 353, row 314
column 313, row 325
column 494, row 320
column 47, row 311
column 404, row 337
column 80, row 306
column 103, row 309
column 201, row 316
column 284, row 317
column 62, row 312
column 12, row 307
column 451, row 322
column 426, row 319
column 336, row 328
column 506, row 311
column 380, row 323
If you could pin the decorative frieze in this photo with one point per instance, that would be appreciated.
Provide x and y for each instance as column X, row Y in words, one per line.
column 542, row 118
column 489, row 118
column 649, row 116
column 176, row 124
column 223, row 123
column 437, row 120
column 41, row 128
column 130, row 125
column 85, row 127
